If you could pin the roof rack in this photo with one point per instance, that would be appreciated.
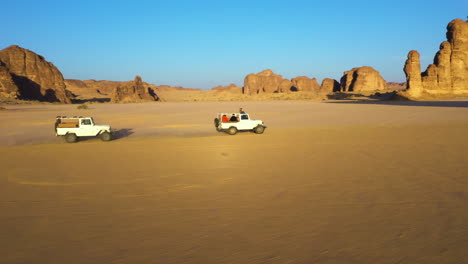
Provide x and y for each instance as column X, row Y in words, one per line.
column 58, row 117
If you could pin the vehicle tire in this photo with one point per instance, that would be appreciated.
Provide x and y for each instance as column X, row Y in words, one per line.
column 232, row 131
column 106, row 136
column 71, row 138
column 259, row 129
column 216, row 122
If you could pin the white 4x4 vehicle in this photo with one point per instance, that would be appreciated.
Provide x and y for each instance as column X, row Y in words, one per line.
column 233, row 122
column 73, row 127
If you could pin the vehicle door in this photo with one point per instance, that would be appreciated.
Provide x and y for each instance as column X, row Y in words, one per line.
column 245, row 122
column 86, row 128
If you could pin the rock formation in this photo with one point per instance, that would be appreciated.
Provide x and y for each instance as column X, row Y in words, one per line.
column 362, row 79
column 285, row 86
column 330, row 86
column 305, row 84
column 262, row 82
column 269, row 82
column 412, row 70
column 134, row 91
column 8, row 88
column 36, row 78
column 448, row 75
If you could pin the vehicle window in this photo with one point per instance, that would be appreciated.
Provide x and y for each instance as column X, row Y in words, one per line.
column 86, row 122
column 245, row 117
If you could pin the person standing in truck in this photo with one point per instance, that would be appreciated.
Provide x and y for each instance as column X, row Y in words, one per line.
column 241, row 111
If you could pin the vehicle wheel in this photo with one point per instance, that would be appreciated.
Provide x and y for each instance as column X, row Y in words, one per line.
column 106, row 136
column 216, row 122
column 232, row 131
column 259, row 129
column 71, row 138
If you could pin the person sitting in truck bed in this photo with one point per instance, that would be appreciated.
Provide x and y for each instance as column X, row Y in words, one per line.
column 233, row 118
column 224, row 119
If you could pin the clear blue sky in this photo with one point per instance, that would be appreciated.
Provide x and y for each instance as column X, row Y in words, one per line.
column 202, row 44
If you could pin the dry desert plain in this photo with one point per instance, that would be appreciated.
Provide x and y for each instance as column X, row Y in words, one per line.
column 328, row 182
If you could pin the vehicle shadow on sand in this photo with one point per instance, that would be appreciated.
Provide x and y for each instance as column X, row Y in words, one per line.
column 392, row 98
column 406, row 103
column 116, row 135
column 122, row 133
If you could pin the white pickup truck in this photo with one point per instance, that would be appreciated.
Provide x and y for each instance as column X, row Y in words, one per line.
column 74, row 127
column 233, row 122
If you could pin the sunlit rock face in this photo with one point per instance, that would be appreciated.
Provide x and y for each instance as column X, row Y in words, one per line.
column 36, row 78
column 362, row 79
column 448, row 75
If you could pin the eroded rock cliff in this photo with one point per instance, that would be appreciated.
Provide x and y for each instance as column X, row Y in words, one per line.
column 8, row 88
column 36, row 78
column 448, row 75
column 330, row 86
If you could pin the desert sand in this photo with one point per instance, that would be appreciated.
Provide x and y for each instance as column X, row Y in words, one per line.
column 328, row 182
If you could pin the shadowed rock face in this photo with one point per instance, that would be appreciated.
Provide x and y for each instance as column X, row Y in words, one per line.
column 305, row 84
column 330, row 86
column 448, row 75
column 263, row 82
column 362, row 79
column 36, row 78
column 8, row 88
column 134, row 91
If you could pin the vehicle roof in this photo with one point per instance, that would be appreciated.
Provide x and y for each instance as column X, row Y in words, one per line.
column 72, row 117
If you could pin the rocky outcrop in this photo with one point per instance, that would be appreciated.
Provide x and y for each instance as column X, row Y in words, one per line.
column 263, row 82
column 8, row 88
column 285, row 86
column 134, row 91
column 362, row 79
column 457, row 36
column 305, row 84
column 330, row 86
column 269, row 82
column 412, row 70
column 36, row 78
column 448, row 75
column 232, row 88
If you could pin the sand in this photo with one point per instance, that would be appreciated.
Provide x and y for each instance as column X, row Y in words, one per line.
column 327, row 183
